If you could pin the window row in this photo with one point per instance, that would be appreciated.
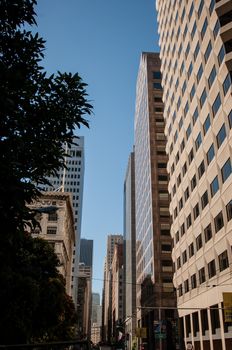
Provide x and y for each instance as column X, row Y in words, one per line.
column 198, row 278
column 206, row 236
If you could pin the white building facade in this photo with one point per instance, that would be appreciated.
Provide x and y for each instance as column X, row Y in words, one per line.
column 196, row 56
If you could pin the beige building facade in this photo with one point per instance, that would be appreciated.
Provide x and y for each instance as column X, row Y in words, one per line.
column 57, row 227
column 196, row 56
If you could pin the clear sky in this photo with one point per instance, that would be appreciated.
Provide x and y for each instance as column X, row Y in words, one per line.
column 101, row 40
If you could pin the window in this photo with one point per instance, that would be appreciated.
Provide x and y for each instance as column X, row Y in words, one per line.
column 201, row 169
column 216, row 105
column 221, row 135
column 190, row 70
column 226, row 170
column 193, row 281
column 229, row 210
column 184, row 257
column 162, row 165
column 223, row 261
column 198, row 141
column 202, row 275
column 187, row 50
column 199, row 73
column 186, row 286
column 226, row 84
column 183, row 88
column 216, row 29
column 52, row 217
column 193, row 30
column 206, row 124
column 189, row 221
column 191, row 250
column 221, row 54
column 191, row 156
column 196, row 211
column 208, row 51
column 186, row 194
column 192, row 92
column 208, row 233
column 211, row 6
column 199, row 242
column 211, row 268
column 212, row 76
column 175, row 213
column 218, row 222
column 203, row 98
column 166, row 248
column 182, row 146
column 186, row 108
column 182, row 229
column 204, row 200
column 230, row 119
column 51, row 230
column 157, row 86
column 180, row 203
column 196, row 51
column 210, row 154
column 177, row 237
column 188, row 131
column 180, row 123
column 178, row 180
column 180, row 288
column 178, row 262
column 204, row 27
column 195, row 115
column 200, row 8
column 193, row 182
column 157, row 75
column 184, row 169
column 191, row 11
column 214, row 186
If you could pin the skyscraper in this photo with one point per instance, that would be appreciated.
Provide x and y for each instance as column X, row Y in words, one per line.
column 71, row 180
column 112, row 240
column 86, row 252
column 155, row 294
column 129, row 252
column 196, row 54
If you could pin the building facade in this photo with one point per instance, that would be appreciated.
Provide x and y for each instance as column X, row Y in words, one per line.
column 117, row 292
column 155, row 294
column 71, row 180
column 196, row 55
column 84, row 301
column 86, row 252
column 129, row 278
column 57, row 227
column 107, row 287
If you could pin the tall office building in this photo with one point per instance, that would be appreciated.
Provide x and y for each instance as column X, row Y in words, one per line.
column 86, row 252
column 155, row 295
column 107, row 287
column 129, row 252
column 196, row 54
column 71, row 180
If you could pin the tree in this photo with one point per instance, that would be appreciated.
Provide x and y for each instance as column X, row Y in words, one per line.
column 38, row 115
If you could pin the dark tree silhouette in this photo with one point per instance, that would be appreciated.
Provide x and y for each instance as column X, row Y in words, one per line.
column 38, row 114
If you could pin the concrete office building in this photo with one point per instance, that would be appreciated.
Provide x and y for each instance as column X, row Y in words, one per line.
column 84, row 300
column 117, row 291
column 129, row 277
column 72, row 180
column 86, row 252
column 155, row 294
column 196, row 55
column 57, row 227
column 107, row 287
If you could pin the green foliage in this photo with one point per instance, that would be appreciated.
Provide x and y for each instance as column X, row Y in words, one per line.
column 38, row 114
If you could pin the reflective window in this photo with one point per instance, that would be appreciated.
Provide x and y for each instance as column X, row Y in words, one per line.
column 221, row 135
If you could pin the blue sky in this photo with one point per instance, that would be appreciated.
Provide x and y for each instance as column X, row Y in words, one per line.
column 101, row 40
